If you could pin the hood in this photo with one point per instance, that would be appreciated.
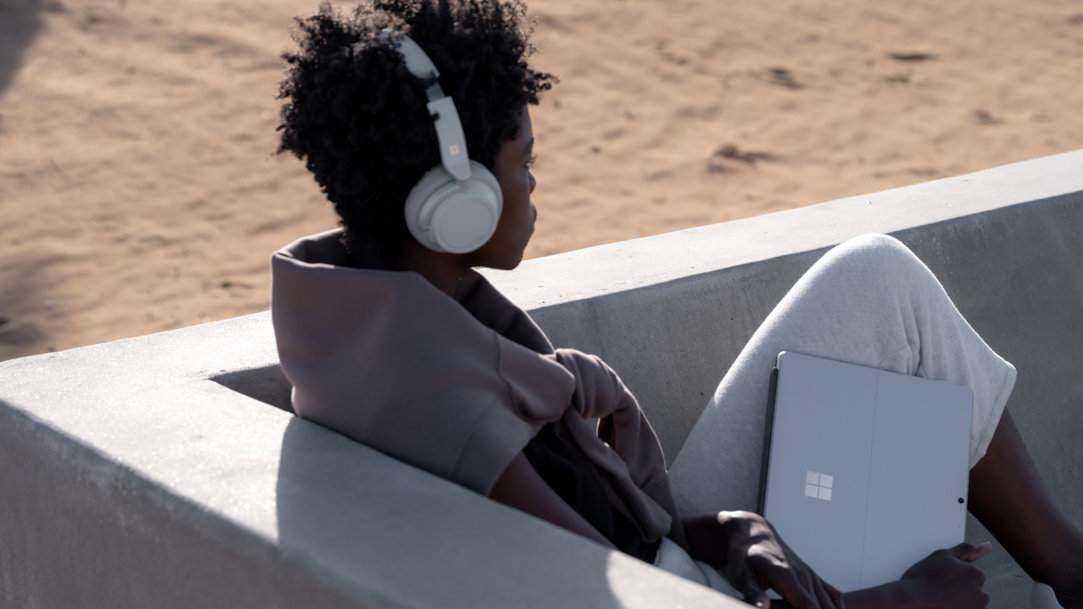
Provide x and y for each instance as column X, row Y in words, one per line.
column 456, row 386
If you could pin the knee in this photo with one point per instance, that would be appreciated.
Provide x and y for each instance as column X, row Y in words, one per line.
column 876, row 250
column 874, row 244
column 876, row 257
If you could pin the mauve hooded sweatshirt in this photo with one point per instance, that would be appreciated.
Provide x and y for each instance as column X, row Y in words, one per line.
column 454, row 386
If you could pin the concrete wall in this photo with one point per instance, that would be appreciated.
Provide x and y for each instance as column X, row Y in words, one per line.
column 166, row 470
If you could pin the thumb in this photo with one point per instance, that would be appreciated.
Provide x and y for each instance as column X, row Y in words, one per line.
column 969, row 553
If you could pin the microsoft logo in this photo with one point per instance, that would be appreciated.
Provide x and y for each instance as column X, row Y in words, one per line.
column 818, row 486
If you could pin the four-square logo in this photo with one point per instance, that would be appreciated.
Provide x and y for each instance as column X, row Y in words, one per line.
column 818, row 486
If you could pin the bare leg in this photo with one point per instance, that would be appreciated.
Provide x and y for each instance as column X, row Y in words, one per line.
column 1008, row 496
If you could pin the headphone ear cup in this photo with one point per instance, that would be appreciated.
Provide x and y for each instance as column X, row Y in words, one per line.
column 453, row 216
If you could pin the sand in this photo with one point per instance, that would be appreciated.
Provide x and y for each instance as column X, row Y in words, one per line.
column 140, row 192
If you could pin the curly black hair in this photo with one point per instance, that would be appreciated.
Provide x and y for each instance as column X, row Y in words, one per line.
column 358, row 117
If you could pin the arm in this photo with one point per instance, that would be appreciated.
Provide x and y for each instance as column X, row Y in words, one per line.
column 521, row 487
column 748, row 551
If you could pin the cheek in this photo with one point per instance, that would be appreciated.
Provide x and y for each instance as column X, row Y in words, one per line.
column 526, row 186
column 516, row 190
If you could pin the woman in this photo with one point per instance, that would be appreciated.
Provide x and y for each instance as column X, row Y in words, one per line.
column 390, row 337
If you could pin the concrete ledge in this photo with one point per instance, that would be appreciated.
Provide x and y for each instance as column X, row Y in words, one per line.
column 134, row 479
column 167, row 471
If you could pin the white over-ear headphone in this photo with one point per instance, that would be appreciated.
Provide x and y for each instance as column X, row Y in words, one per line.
column 455, row 207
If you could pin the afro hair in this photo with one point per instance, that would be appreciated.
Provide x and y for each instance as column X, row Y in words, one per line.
column 358, row 118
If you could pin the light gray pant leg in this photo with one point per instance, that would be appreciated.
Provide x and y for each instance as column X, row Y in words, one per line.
column 868, row 301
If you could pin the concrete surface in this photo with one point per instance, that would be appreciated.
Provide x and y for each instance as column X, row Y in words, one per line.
column 167, row 471
column 132, row 479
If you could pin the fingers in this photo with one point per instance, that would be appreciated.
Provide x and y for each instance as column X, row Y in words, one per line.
column 829, row 596
column 748, row 584
column 799, row 587
column 969, row 553
column 760, row 600
column 763, row 561
column 802, row 595
column 811, row 591
column 812, row 594
column 754, row 594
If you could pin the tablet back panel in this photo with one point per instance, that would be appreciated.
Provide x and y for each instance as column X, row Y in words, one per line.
column 866, row 468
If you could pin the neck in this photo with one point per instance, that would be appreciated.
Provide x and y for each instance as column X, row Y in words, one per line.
column 442, row 270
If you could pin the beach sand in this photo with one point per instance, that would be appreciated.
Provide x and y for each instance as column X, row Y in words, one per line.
column 139, row 189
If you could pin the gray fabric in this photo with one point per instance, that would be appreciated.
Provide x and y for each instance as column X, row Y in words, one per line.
column 672, row 558
column 869, row 301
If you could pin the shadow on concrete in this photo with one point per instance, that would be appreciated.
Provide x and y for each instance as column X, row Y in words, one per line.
column 20, row 21
column 379, row 528
column 267, row 384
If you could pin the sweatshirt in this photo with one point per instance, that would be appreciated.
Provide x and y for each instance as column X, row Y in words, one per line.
column 455, row 386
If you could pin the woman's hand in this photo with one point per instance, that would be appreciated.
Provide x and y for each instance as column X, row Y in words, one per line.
column 748, row 551
column 949, row 579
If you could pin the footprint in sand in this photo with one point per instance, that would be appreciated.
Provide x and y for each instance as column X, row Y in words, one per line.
column 783, row 78
column 719, row 160
column 984, row 117
column 912, row 57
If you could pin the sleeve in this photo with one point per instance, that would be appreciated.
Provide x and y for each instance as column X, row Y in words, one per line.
column 537, row 390
column 601, row 394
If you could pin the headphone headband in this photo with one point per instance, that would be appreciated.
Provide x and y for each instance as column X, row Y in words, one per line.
column 416, row 60
column 449, row 129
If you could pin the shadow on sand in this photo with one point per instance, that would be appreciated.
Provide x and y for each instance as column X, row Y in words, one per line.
column 20, row 21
